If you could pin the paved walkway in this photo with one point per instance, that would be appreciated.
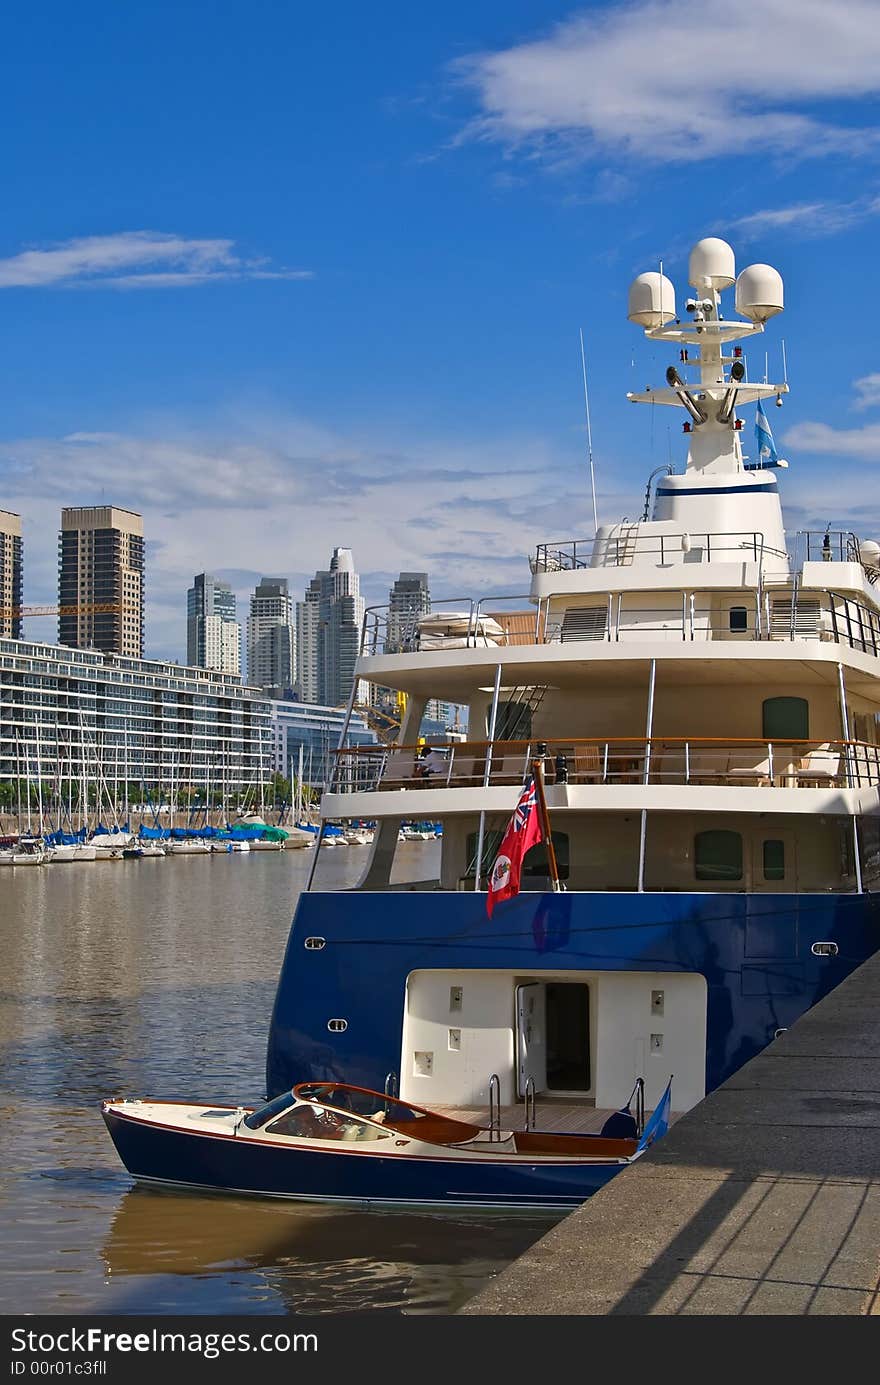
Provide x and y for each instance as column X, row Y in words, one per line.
column 764, row 1199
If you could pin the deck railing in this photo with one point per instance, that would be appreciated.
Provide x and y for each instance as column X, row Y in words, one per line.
column 629, row 545
column 737, row 614
column 624, row 760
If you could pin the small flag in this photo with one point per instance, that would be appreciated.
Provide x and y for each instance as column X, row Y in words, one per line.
column 523, row 832
column 659, row 1122
column 764, row 438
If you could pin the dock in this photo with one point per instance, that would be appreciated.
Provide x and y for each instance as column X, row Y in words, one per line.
column 763, row 1199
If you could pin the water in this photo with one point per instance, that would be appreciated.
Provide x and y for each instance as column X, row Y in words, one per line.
column 156, row 978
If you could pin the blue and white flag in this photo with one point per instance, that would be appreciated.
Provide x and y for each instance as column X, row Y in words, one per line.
column 764, row 438
column 659, row 1122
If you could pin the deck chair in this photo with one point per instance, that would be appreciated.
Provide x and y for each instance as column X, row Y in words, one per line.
column 820, row 766
column 399, row 772
column 586, row 765
column 750, row 774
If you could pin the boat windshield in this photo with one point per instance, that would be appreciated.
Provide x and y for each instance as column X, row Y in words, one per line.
column 272, row 1108
column 361, row 1101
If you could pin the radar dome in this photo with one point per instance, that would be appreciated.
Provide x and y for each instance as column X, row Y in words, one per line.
column 869, row 552
column 711, row 265
column 759, row 292
column 651, row 300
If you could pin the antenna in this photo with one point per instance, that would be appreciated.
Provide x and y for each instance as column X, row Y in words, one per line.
column 589, row 434
column 784, row 366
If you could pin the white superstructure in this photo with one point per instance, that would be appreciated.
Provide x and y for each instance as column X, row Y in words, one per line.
column 696, row 671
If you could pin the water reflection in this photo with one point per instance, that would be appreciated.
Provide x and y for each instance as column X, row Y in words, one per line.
column 308, row 1259
column 157, row 978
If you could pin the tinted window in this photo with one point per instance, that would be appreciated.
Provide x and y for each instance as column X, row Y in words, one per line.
column 774, row 860
column 739, row 618
column 786, row 719
column 718, row 855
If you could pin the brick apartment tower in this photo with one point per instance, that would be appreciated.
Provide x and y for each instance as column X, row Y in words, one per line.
column 101, row 563
column 10, row 574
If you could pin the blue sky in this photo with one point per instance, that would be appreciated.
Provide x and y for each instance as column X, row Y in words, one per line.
column 283, row 277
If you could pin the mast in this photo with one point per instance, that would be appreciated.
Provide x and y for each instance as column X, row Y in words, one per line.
column 540, row 798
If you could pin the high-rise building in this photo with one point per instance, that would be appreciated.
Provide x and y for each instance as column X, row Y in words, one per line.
column 408, row 599
column 101, row 574
column 10, row 574
column 271, row 638
column 213, row 635
column 330, row 621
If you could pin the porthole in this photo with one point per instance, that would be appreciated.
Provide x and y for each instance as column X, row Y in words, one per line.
column 337, row 1026
column 824, row 949
column 315, row 944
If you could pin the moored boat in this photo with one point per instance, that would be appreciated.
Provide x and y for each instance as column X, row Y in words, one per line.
column 334, row 1142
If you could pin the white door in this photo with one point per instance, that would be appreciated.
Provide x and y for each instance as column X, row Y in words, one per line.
column 531, row 1036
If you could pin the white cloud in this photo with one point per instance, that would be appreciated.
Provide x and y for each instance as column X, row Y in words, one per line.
column 680, row 80
column 134, row 259
column 810, row 218
column 868, row 391
column 274, row 496
column 861, row 444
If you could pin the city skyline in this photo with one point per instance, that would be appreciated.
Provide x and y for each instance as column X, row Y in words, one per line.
column 195, row 333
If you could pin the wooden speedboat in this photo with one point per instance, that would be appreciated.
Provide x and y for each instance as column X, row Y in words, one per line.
column 332, row 1142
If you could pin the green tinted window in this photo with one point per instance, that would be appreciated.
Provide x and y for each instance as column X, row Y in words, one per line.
column 718, row 855
column 535, row 860
column 786, row 719
column 774, row 860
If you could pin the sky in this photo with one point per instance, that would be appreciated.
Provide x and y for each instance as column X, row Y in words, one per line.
column 285, row 277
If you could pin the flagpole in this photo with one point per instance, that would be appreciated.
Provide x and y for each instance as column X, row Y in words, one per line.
column 538, row 772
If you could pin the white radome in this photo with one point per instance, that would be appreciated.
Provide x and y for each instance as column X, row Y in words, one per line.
column 869, row 552
column 712, row 265
column 651, row 300
column 759, row 292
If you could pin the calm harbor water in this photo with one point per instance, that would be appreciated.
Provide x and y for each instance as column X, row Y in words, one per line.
column 156, row 978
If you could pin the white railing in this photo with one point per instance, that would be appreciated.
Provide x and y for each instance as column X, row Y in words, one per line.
column 625, row 760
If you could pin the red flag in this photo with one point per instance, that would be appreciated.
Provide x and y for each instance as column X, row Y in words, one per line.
column 523, row 832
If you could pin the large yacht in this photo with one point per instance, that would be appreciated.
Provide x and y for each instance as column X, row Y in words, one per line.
column 703, row 696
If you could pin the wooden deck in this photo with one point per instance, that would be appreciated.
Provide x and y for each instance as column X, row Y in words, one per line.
column 564, row 1118
column 575, row 1119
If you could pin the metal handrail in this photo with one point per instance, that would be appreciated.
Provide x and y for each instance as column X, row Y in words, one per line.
column 618, row 759
column 618, row 549
column 494, row 1108
column 530, row 1108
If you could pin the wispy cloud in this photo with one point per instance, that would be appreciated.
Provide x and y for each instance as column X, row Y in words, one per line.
column 258, row 494
column 860, row 444
column 682, row 80
column 135, row 259
column 809, row 218
column 867, row 392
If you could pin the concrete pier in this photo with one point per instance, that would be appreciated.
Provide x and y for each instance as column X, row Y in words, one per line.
column 764, row 1199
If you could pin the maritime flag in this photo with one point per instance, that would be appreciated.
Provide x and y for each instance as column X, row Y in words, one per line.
column 766, row 447
column 523, row 832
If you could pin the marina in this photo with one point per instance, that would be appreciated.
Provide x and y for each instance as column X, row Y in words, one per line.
column 151, row 980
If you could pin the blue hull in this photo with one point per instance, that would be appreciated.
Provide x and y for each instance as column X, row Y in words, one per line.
column 231, row 1164
column 753, row 950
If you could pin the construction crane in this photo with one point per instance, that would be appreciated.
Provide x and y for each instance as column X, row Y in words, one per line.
column 383, row 724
